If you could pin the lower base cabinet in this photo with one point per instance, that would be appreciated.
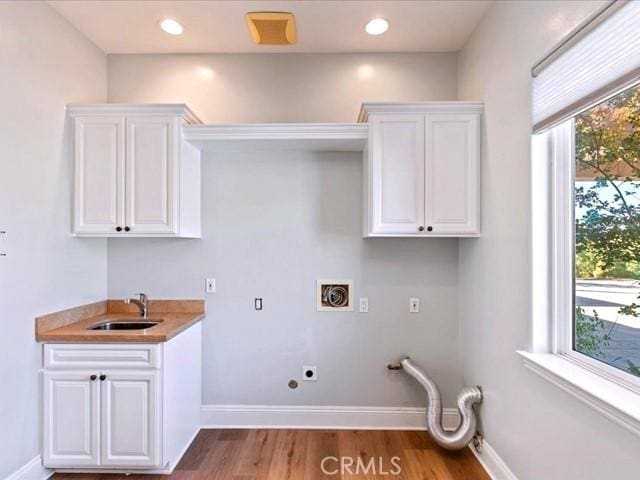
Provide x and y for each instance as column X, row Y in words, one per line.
column 111, row 407
column 130, row 419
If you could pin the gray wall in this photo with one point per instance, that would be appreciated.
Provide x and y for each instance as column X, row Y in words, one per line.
column 45, row 64
column 540, row 431
column 274, row 223
column 281, row 87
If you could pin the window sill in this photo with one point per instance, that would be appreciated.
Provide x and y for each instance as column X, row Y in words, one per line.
column 610, row 399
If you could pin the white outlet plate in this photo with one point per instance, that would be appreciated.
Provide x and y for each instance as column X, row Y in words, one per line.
column 414, row 305
column 364, row 305
column 210, row 285
column 309, row 373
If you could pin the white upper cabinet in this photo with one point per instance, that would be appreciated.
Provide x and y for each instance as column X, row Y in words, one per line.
column 152, row 152
column 397, row 173
column 99, row 168
column 422, row 169
column 452, row 157
column 134, row 174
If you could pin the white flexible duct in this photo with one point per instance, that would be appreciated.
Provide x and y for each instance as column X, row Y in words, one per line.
column 461, row 436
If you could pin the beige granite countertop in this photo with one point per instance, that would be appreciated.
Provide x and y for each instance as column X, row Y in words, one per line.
column 70, row 326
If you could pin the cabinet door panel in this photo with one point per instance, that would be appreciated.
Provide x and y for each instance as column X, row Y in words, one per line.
column 151, row 174
column 99, row 174
column 71, row 428
column 130, row 419
column 397, row 155
column 452, row 173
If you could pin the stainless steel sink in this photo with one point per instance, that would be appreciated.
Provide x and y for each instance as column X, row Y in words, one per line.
column 125, row 325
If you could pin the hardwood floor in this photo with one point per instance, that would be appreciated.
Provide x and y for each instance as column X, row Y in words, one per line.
column 298, row 455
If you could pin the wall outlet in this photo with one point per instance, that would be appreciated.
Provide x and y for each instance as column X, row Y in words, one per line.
column 364, row 305
column 414, row 305
column 210, row 285
column 257, row 303
column 309, row 373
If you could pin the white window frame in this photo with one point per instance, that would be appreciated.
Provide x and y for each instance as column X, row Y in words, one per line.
column 562, row 256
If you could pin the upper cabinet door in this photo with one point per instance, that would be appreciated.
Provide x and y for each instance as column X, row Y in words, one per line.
column 71, row 428
column 131, row 418
column 152, row 149
column 452, row 142
column 396, row 168
column 99, row 174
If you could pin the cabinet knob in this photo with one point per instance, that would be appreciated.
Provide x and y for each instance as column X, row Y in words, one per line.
column 92, row 378
column 421, row 228
column 430, row 228
column 118, row 229
column 103, row 377
column 127, row 229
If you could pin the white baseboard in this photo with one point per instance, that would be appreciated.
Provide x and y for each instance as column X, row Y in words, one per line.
column 330, row 418
column 31, row 471
column 492, row 463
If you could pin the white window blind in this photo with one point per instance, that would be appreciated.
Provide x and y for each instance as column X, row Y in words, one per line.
column 604, row 61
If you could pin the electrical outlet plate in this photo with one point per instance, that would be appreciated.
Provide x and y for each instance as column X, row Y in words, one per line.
column 364, row 305
column 414, row 305
column 210, row 285
column 309, row 373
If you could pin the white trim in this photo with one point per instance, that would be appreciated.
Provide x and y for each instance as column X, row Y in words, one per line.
column 32, row 470
column 277, row 131
column 608, row 372
column 126, row 109
column 605, row 396
column 562, row 258
column 563, row 236
column 419, row 108
column 320, row 417
column 493, row 463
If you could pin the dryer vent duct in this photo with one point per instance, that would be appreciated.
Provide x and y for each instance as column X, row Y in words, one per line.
column 467, row 398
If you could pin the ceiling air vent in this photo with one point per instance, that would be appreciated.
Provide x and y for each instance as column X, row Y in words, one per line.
column 272, row 28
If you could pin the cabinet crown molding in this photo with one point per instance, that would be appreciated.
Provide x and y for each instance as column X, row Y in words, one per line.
column 381, row 108
column 127, row 109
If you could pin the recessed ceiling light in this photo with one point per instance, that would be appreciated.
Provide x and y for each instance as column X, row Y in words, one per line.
column 377, row 26
column 171, row 26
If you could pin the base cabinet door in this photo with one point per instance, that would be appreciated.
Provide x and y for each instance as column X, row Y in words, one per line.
column 71, row 427
column 452, row 202
column 131, row 419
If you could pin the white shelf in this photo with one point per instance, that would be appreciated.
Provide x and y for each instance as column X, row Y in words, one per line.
column 345, row 137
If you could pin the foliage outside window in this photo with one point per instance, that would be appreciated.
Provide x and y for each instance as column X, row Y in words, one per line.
column 607, row 232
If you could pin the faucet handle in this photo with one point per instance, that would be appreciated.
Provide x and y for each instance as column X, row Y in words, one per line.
column 141, row 296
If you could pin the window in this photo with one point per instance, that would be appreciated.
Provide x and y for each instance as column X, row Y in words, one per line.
column 597, row 204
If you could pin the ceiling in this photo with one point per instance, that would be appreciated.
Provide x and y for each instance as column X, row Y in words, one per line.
column 324, row 26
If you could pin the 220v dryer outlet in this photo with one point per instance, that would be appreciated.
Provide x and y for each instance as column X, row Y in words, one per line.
column 309, row 373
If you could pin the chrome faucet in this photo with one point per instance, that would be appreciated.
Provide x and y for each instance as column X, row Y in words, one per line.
column 141, row 302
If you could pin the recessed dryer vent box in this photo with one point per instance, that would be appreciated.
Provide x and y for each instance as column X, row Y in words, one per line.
column 335, row 295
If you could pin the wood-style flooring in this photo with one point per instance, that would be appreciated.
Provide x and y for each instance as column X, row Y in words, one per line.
column 297, row 455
